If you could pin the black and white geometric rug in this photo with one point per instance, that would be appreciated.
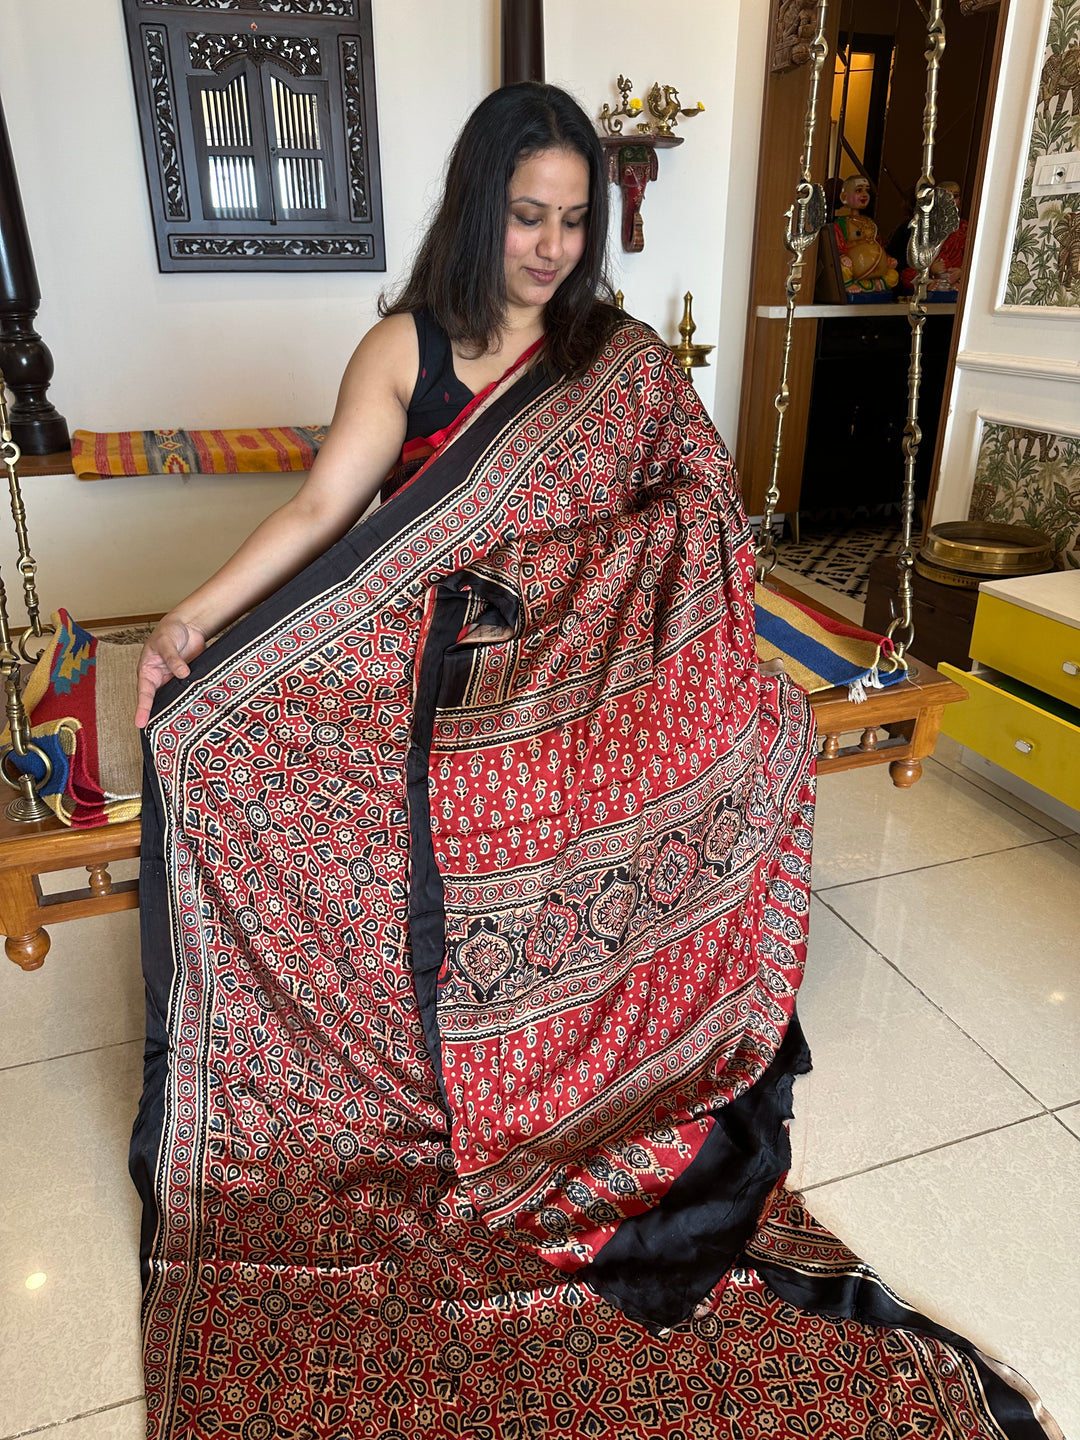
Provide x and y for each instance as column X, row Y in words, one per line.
column 839, row 557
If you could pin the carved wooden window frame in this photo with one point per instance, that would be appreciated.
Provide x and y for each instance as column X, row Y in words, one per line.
column 317, row 47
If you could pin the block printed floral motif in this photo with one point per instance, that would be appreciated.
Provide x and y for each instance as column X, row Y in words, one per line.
column 1031, row 477
column 1045, row 268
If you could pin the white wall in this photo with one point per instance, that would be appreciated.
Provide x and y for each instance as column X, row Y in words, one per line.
column 135, row 349
column 699, row 213
column 1015, row 364
column 138, row 350
column 136, row 544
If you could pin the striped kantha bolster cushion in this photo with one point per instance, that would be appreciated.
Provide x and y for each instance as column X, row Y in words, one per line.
column 80, row 698
column 819, row 653
column 97, row 454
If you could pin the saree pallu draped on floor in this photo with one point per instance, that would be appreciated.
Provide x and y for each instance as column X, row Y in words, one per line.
column 475, row 895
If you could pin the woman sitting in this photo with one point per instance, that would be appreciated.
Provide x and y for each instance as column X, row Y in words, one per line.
column 474, row 900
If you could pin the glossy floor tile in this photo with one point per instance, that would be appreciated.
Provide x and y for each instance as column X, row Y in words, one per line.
column 89, row 992
column 866, row 826
column 981, row 1236
column 69, row 1342
column 1070, row 1118
column 126, row 1421
column 947, row 753
column 868, row 1100
column 994, row 942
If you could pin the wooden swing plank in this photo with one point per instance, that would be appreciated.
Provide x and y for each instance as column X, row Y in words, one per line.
column 909, row 712
column 41, row 847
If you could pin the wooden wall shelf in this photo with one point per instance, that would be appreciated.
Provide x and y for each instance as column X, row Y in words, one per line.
column 56, row 464
column 846, row 312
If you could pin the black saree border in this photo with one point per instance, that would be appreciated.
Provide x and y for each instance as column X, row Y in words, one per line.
column 658, row 1266
column 857, row 1294
column 427, row 895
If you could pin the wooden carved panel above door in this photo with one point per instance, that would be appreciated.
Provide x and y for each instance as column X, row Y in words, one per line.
column 796, row 24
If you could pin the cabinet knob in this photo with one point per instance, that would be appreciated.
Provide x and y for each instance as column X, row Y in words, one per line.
column 1071, row 667
column 1024, row 746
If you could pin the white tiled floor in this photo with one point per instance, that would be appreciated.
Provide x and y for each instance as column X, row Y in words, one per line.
column 939, row 1134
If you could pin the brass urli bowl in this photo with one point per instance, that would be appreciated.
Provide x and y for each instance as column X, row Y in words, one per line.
column 963, row 552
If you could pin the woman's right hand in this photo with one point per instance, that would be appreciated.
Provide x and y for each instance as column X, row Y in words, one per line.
column 165, row 655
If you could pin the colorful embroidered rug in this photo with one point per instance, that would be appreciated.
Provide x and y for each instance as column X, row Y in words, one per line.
column 819, row 653
column 475, row 890
column 98, row 454
column 81, row 701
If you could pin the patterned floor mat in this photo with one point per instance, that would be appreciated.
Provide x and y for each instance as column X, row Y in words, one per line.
column 837, row 556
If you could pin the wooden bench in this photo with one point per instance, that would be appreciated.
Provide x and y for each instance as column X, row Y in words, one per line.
column 910, row 714
column 40, row 847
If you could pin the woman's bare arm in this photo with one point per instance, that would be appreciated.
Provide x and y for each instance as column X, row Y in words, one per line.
column 363, row 442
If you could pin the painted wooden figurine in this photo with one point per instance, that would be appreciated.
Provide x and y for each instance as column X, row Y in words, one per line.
column 868, row 273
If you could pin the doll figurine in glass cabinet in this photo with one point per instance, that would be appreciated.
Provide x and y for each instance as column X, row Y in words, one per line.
column 856, row 267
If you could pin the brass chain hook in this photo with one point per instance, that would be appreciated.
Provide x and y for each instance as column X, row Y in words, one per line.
column 804, row 221
column 934, row 220
column 10, row 455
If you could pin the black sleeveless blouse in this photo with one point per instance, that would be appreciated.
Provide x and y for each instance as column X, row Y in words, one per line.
column 438, row 397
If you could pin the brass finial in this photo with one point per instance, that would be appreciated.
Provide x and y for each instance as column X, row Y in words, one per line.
column 687, row 354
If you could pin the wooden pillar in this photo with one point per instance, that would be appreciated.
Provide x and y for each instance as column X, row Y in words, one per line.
column 36, row 425
column 522, row 40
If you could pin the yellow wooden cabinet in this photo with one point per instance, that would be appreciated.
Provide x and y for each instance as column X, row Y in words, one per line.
column 1023, row 710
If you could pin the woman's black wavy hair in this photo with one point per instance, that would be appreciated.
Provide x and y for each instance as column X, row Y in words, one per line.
column 458, row 275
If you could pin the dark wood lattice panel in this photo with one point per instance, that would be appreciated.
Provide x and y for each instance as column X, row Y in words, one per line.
column 259, row 132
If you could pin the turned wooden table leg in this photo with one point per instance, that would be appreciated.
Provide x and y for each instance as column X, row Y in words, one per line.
column 831, row 748
column 28, row 951
column 100, row 881
column 25, row 942
column 905, row 772
column 924, row 734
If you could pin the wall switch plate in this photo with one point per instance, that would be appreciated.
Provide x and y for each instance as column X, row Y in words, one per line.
column 1057, row 174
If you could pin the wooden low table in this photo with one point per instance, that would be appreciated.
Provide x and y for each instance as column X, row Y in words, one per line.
column 40, row 847
column 909, row 712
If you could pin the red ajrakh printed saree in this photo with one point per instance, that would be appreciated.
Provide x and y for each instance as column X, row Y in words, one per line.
column 471, row 973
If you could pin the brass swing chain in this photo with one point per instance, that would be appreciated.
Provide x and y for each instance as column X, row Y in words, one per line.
column 934, row 220
column 804, row 221
column 27, row 805
column 26, row 564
